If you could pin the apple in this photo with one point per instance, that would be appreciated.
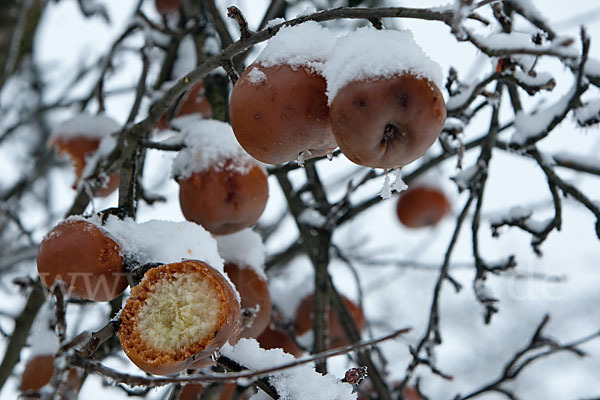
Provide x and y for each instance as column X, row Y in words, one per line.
column 280, row 113
column 178, row 315
column 221, row 187
column 254, row 293
column 165, row 7
column 387, row 122
column 39, row 370
column 85, row 257
column 422, row 206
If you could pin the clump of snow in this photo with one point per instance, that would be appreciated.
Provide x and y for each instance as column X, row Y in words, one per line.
column 454, row 125
column 256, row 76
column 592, row 67
column 383, row 54
column 519, row 212
column 522, row 41
column 590, row 162
column 464, row 177
column 588, row 113
column 159, row 241
column 312, row 217
column 244, row 248
column 88, row 125
column 209, row 144
column 301, row 382
column 532, row 125
column 516, row 213
column 544, row 80
column 304, row 45
column 459, row 99
column 289, row 289
column 43, row 340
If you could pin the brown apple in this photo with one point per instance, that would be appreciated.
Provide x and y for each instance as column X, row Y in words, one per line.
column 273, row 338
column 224, row 200
column 39, row 370
column 165, row 7
column 179, row 314
column 422, row 206
column 387, row 122
column 254, row 293
column 83, row 256
column 280, row 113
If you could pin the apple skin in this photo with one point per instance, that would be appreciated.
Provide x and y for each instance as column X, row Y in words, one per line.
column 272, row 338
column 336, row 336
column 422, row 206
column 286, row 113
column 224, row 201
column 39, row 370
column 81, row 254
column 254, row 291
column 387, row 122
column 165, row 7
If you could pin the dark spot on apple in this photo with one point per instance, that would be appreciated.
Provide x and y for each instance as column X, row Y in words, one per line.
column 402, row 100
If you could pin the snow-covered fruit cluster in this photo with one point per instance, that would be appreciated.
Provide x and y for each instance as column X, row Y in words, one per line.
column 308, row 92
column 186, row 306
column 199, row 294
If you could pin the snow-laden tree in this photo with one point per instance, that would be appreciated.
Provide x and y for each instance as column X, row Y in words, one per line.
column 497, row 299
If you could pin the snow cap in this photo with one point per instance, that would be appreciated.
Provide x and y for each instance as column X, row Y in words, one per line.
column 92, row 126
column 209, row 144
column 368, row 53
column 161, row 241
column 245, row 249
column 308, row 44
